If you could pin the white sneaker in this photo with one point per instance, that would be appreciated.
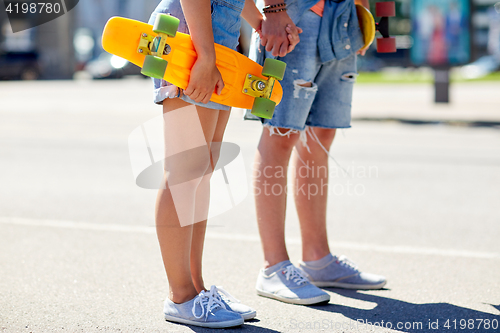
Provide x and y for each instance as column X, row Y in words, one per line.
column 340, row 272
column 204, row 310
column 235, row 305
column 287, row 284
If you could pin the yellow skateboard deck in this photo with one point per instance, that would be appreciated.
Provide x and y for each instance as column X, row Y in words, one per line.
column 122, row 37
column 367, row 25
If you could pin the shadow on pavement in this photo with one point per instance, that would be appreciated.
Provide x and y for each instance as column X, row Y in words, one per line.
column 464, row 123
column 411, row 317
column 245, row 328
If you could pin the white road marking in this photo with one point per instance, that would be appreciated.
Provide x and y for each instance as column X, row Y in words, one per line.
column 250, row 238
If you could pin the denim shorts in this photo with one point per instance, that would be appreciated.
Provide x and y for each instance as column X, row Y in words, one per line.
column 226, row 22
column 327, row 103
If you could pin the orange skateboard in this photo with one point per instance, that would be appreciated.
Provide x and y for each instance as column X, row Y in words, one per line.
column 386, row 44
column 162, row 52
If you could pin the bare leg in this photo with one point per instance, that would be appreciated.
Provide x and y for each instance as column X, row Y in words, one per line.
column 270, row 180
column 311, row 201
column 176, row 241
column 199, row 229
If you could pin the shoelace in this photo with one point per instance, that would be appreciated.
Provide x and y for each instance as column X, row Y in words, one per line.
column 292, row 273
column 209, row 300
column 226, row 296
column 342, row 260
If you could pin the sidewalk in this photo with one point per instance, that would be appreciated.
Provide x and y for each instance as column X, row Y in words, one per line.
column 475, row 102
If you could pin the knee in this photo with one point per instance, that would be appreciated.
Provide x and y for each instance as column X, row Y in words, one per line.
column 278, row 141
column 325, row 135
column 188, row 165
column 320, row 139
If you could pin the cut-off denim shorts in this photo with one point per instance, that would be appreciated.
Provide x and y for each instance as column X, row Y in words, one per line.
column 327, row 103
column 226, row 22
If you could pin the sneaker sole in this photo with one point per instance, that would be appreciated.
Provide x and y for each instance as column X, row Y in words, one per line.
column 220, row 324
column 306, row 301
column 248, row 316
column 349, row 285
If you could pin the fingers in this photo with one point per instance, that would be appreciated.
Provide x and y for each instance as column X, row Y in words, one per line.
column 196, row 94
column 362, row 52
column 259, row 32
column 263, row 39
column 294, row 30
column 283, row 49
column 270, row 44
column 293, row 37
column 219, row 87
column 278, row 46
column 189, row 90
column 201, row 95
column 206, row 98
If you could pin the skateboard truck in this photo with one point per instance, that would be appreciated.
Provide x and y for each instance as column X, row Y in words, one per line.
column 257, row 87
column 155, row 47
column 261, row 89
column 150, row 45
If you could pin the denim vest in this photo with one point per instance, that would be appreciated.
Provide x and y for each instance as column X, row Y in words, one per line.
column 340, row 35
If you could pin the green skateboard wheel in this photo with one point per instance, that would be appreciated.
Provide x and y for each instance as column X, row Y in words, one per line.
column 263, row 107
column 274, row 68
column 154, row 67
column 166, row 24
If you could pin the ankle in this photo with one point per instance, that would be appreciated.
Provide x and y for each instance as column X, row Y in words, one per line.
column 315, row 255
column 182, row 296
column 199, row 286
column 274, row 261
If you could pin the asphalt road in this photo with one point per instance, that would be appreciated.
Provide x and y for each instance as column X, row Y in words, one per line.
column 78, row 252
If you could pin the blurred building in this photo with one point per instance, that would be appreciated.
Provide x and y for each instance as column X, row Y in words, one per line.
column 54, row 43
column 483, row 35
column 92, row 15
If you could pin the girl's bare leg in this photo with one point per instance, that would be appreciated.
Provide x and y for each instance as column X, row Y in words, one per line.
column 200, row 227
column 176, row 241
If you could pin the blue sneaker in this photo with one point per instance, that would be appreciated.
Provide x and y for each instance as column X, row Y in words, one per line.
column 235, row 305
column 286, row 283
column 205, row 310
column 340, row 272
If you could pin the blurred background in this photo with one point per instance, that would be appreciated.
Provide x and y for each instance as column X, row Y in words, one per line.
column 450, row 33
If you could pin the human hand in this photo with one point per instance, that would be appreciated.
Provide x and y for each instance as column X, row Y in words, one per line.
column 275, row 31
column 362, row 52
column 204, row 80
column 293, row 36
